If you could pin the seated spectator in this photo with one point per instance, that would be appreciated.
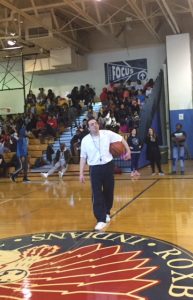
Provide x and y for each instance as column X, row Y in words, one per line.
column 117, row 101
column 139, row 85
column 3, row 149
column 31, row 123
column 5, row 138
column 32, row 109
column 13, row 141
column 62, row 102
column 110, row 122
column 72, row 115
column 75, row 146
column 3, row 165
column 81, row 92
column 83, row 131
column 101, row 119
column 111, row 105
column 140, row 97
column 121, row 114
column 89, row 95
column 111, row 87
column 135, row 120
column 125, row 101
column 14, row 162
column 62, row 159
column 91, row 113
column 40, row 108
column 84, row 124
column 126, row 94
column 49, row 153
column 150, row 84
column 44, row 116
column 129, row 85
column 51, row 95
column 63, row 116
column 123, row 127
column 104, row 95
column 41, row 96
column 40, row 128
column 74, row 96
column 50, row 106
column 31, row 98
column 148, row 91
column 39, row 162
column 51, row 126
column 135, row 107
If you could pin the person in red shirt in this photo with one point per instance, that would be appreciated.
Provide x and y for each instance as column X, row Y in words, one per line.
column 52, row 122
column 44, row 116
column 40, row 127
column 104, row 95
column 52, row 126
column 111, row 87
column 126, row 94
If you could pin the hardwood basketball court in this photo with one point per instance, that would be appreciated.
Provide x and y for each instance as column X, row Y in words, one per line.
column 156, row 206
column 50, row 220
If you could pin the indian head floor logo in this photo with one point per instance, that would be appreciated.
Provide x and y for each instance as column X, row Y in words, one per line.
column 93, row 266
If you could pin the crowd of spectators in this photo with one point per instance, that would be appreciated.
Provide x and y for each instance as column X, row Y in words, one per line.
column 121, row 104
column 45, row 113
column 120, row 111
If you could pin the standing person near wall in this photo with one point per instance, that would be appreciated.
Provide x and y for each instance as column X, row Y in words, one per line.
column 61, row 162
column 95, row 151
column 22, row 154
column 135, row 147
column 153, row 152
column 178, row 150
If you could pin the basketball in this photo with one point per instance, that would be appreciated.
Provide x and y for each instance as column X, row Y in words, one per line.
column 117, row 149
column 179, row 139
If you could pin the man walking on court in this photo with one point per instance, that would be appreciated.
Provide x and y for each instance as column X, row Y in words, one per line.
column 95, row 151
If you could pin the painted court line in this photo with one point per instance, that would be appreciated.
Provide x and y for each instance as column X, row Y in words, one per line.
column 134, row 198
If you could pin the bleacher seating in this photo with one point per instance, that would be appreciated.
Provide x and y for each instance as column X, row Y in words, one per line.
column 65, row 137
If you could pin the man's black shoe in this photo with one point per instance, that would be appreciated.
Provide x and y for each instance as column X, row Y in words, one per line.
column 173, row 172
column 26, row 180
column 12, row 177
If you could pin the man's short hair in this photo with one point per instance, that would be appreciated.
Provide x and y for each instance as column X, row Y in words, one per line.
column 89, row 119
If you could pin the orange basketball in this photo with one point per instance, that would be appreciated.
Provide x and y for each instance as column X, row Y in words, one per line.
column 117, row 149
column 180, row 139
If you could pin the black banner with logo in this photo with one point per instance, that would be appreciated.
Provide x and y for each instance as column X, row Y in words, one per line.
column 132, row 70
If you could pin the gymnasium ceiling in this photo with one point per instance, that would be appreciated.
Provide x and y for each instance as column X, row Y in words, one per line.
column 90, row 25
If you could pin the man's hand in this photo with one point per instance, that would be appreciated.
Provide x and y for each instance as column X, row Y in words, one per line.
column 82, row 178
column 127, row 155
column 82, row 166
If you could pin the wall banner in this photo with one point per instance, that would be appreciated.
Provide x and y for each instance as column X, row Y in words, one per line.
column 126, row 70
